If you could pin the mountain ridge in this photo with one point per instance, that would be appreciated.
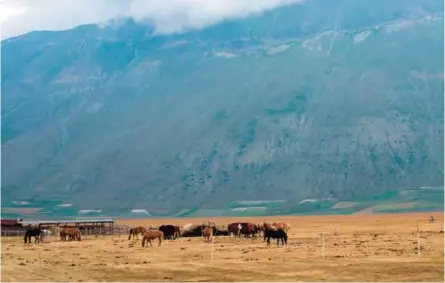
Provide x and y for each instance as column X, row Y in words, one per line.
column 116, row 117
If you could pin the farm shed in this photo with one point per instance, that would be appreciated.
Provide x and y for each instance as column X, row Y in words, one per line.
column 7, row 223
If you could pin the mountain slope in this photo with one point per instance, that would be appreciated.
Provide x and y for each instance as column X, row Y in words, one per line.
column 343, row 101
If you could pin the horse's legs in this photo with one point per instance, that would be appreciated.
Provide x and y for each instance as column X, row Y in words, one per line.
column 159, row 241
column 149, row 240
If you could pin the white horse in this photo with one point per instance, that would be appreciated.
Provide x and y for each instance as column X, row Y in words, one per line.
column 45, row 235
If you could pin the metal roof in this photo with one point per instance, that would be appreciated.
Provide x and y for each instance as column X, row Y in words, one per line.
column 25, row 222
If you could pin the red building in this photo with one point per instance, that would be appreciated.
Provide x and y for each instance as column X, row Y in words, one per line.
column 8, row 223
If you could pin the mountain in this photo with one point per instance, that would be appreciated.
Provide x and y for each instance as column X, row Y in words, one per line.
column 339, row 100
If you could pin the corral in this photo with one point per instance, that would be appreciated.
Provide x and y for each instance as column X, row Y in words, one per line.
column 355, row 248
column 90, row 226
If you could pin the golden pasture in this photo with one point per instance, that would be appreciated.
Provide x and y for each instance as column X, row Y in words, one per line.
column 357, row 248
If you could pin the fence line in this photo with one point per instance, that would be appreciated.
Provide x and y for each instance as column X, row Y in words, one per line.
column 18, row 232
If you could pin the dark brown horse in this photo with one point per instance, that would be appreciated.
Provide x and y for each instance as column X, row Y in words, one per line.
column 170, row 231
column 32, row 231
column 249, row 229
column 136, row 231
column 234, row 228
column 72, row 233
column 151, row 235
column 278, row 234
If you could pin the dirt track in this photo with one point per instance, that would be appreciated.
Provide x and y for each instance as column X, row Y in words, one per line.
column 367, row 248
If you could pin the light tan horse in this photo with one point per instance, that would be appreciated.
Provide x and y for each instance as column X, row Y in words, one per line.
column 73, row 233
column 207, row 233
column 136, row 231
column 282, row 225
column 151, row 235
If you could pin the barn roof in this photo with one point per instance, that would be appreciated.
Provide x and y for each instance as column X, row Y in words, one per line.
column 10, row 222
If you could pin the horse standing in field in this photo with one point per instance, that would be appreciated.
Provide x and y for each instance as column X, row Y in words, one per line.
column 45, row 235
column 73, row 233
column 170, row 231
column 136, row 231
column 32, row 232
column 234, row 228
column 151, row 235
column 177, row 232
column 248, row 229
column 278, row 234
column 207, row 233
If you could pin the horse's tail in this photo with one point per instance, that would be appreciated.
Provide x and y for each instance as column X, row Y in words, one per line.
column 143, row 241
column 26, row 238
column 131, row 232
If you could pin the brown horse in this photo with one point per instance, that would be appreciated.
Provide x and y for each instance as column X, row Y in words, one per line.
column 177, row 232
column 207, row 233
column 151, row 235
column 136, row 231
column 234, row 228
column 73, row 233
column 249, row 229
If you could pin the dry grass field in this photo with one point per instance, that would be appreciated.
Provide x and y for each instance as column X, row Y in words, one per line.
column 366, row 248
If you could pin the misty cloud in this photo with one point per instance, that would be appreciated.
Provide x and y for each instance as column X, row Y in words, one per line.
column 169, row 16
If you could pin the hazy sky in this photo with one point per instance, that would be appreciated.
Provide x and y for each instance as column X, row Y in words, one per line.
column 21, row 16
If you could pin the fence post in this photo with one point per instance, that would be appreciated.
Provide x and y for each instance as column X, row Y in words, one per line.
column 322, row 251
column 212, row 250
column 418, row 241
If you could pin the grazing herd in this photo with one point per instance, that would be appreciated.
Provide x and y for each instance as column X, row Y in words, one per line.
column 276, row 230
column 208, row 230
